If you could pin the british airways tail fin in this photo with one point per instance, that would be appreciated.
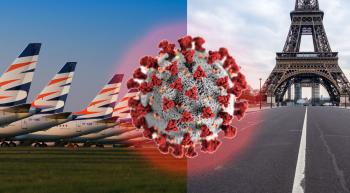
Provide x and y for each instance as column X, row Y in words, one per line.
column 16, row 80
column 53, row 97
column 102, row 105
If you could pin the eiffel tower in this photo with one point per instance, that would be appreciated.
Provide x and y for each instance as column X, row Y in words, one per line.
column 307, row 69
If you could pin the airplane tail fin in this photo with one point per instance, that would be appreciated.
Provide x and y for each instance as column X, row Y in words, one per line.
column 15, row 82
column 102, row 105
column 53, row 97
column 122, row 110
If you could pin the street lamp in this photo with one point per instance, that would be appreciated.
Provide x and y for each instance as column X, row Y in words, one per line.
column 260, row 93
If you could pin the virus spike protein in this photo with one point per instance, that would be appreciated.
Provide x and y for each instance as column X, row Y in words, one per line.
column 187, row 96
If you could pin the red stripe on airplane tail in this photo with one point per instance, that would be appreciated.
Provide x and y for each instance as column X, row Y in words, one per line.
column 39, row 106
column 107, row 90
column 19, row 65
column 45, row 95
column 96, row 102
column 85, row 112
column 120, row 108
column 58, row 80
column 5, row 97
column 125, row 99
column 7, row 82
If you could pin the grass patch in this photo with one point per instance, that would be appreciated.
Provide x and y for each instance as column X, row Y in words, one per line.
column 50, row 170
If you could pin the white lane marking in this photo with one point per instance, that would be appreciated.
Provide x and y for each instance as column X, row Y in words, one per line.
column 299, row 178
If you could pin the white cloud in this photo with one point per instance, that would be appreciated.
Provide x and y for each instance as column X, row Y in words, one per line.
column 254, row 30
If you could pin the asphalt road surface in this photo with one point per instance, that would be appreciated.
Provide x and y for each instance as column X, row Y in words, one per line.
column 279, row 160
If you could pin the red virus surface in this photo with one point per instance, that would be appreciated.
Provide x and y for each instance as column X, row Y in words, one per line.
column 187, row 96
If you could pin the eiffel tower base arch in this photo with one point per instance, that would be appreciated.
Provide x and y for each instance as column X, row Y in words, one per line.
column 307, row 70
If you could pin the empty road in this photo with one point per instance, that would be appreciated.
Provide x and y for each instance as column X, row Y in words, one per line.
column 283, row 150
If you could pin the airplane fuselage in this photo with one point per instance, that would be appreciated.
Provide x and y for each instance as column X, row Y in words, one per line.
column 123, row 126
column 32, row 124
column 10, row 117
column 116, row 130
column 67, row 130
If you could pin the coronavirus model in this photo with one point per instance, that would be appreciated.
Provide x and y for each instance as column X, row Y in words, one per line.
column 187, row 96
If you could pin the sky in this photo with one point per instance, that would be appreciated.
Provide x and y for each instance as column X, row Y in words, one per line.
column 110, row 36
column 254, row 30
column 98, row 34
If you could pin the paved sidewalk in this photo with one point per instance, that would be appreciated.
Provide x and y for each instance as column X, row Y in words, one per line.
column 255, row 109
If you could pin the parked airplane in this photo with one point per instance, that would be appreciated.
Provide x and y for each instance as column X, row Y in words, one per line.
column 15, row 84
column 94, row 118
column 121, row 110
column 50, row 102
column 124, row 134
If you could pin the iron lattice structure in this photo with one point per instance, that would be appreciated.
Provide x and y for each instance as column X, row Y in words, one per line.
column 307, row 68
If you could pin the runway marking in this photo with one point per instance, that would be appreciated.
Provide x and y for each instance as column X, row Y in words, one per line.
column 299, row 177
